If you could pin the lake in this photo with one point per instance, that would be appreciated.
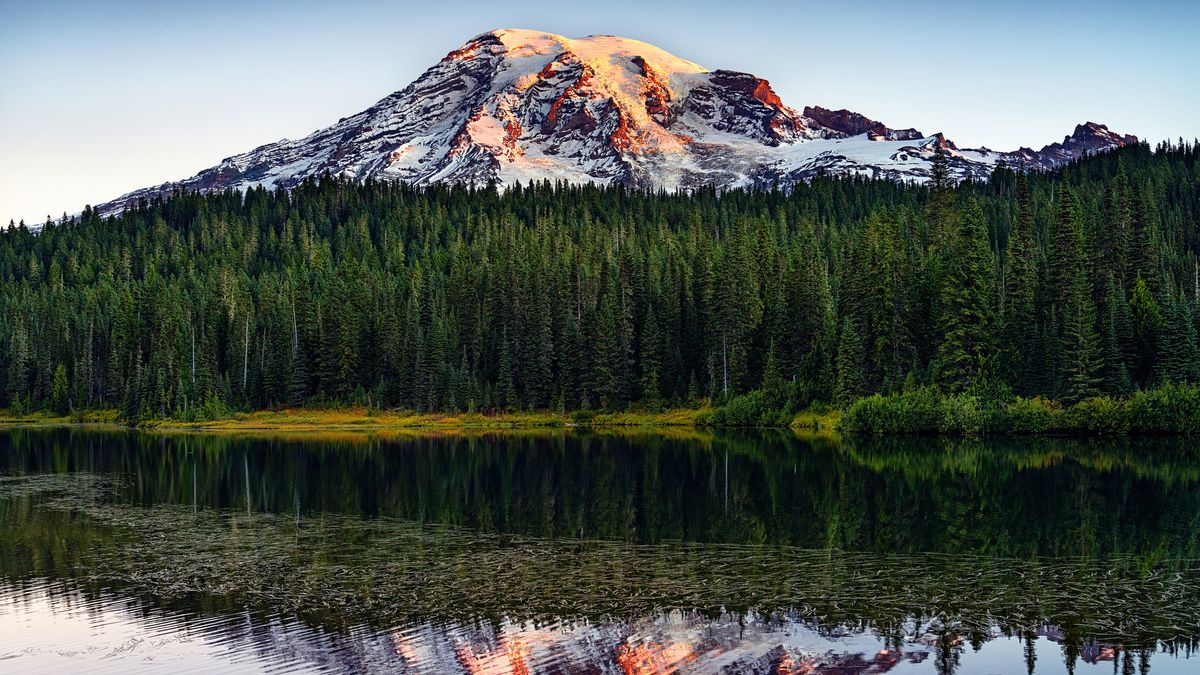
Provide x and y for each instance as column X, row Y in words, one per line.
column 563, row 552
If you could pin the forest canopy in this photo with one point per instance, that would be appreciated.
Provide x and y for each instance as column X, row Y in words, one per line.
column 1071, row 284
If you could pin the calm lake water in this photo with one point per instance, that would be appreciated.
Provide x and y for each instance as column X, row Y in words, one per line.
column 592, row 553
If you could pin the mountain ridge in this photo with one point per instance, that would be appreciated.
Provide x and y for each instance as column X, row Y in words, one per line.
column 514, row 105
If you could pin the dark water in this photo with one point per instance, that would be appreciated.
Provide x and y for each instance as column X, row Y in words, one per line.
column 583, row 553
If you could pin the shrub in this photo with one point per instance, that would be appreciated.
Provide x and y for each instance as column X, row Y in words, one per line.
column 17, row 407
column 704, row 417
column 1098, row 415
column 583, row 418
column 914, row 412
column 213, row 409
column 966, row 415
column 1169, row 409
column 747, row 410
column 1035, row 415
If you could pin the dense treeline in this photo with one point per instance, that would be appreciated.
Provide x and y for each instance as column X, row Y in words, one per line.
column 1068, row 285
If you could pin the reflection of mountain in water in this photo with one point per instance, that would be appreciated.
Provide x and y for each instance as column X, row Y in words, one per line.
column 133, row 635
column 756, row 552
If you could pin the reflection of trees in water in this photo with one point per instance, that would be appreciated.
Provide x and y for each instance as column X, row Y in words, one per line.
column 340, row 571
column 564, row 525
column 1016, row 497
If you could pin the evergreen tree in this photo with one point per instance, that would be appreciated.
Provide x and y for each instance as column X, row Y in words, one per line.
column 1146, row 319
column 1078, row 362
column 1018, row 318
column 850, row 381
column 506, row 391
column 775, row 387
column 966, row 353
column 1178, row 358
column 1115, row 336
column 651, row 361
column 60, row 399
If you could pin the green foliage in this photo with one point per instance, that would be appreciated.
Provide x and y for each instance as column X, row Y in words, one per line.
column 920, row 411
column 1035, row 415
column 1170, row 409
column 1098, row 416
column 966, row 353
column 60, row 397
column 1146, row 318
column 851, row 382
column 967, row 415
column 750, row 410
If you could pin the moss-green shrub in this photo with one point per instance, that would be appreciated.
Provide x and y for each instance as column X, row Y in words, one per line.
column 1101, row 415
column 747, row 410
column 1169, row 409
column 1030, row 416
column 920, row 411
column 966, row 415
column 704, row 417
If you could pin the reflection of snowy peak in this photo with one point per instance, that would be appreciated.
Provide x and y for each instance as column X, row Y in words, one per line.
column 519, row 105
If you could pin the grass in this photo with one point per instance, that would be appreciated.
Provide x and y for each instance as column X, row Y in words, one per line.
column 358, row 418
column 826, row 421
column 46, row 418
column 361, row 419
column 360, row 424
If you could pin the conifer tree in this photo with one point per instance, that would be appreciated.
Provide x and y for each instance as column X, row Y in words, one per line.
column 775, row 387
column 1177, row 356
column 1146, row 318
column 1115, row 336
column 850, row 381
column 651, row 358
column 506, row 391
column 1081, row 353
column 966, row 354
column 1018, row 318
column 60, row 400
column 1078, row 351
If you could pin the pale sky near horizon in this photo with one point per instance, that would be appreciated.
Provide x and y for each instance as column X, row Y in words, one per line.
column 100, row 98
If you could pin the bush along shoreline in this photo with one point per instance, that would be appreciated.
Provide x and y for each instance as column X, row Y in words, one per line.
column 1170, row 409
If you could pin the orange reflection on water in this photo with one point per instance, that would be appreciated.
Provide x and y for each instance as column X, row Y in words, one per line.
column 654, row 657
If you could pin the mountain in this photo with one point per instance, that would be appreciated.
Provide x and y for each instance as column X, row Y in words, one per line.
column 520, row 105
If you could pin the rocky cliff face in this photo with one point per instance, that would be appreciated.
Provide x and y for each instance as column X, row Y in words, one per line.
column 518, row 105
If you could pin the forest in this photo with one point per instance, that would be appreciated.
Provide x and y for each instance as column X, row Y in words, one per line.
column 1067, row 285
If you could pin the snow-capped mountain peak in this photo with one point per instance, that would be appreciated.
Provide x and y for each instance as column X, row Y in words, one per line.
column 514, row 105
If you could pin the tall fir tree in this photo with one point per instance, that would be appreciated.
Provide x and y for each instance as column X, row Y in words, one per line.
column 966, row 354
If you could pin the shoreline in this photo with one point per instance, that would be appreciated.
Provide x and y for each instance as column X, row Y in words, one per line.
column 361, row 419
column 903, row 415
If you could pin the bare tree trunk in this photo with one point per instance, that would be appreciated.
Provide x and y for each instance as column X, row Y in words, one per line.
column 295, row 332
column 724, row 367
column 246, row 355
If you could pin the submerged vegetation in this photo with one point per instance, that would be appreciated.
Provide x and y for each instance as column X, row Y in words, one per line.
column 961, row 309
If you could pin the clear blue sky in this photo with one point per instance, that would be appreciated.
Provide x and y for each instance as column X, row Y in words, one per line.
column 98, row 98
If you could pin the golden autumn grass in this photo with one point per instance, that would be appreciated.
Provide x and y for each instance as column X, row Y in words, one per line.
column 43, row 418
column 361, row 418
column 359, row 423
column 817, row 421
